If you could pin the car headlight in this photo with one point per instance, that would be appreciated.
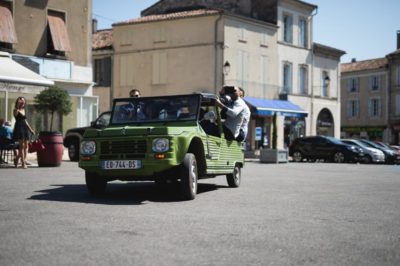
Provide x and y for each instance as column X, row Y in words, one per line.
column 160, row 145
column 88, row 147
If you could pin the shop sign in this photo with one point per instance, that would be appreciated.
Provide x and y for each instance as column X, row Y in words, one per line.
column 258, row 131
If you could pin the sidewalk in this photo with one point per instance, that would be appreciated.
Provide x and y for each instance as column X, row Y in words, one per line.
column 32, row 160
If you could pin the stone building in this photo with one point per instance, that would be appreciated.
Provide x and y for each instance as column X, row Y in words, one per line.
column 53, row 40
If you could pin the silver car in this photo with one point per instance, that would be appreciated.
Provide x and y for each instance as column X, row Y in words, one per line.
column 372, row 155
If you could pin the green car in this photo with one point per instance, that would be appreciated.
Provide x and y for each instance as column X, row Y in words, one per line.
column 164, row 138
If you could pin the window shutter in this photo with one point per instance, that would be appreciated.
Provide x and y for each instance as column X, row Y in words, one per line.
column 348, row 109
column 369, row 108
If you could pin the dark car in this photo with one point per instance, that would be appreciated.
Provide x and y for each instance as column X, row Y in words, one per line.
column 326, row 148
column 74, row 136
column 391, row 156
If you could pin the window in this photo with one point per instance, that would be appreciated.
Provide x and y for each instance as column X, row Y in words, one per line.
column 352, row 84
column 264, row 40
column 398, row 104
column 102, row 72
column 303, row 79
column 243, row 68
column 287, row 77
column 159, row 68
column 287, row 28
column 242, row 34
column 264, row 70
column 398, row 75
column 303, row 33
column 374, row 107
column 374, row 83
column 57, row 37
column 353, row 108
column 7, row 29
column 325, row 81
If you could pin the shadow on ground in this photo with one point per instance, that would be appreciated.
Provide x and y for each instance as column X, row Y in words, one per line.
column 134, row 193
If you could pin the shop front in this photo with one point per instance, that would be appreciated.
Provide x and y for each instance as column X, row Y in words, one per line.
column 370, row 133
column 290, row 122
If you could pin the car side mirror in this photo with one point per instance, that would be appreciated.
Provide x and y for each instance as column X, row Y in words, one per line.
column 99, row 123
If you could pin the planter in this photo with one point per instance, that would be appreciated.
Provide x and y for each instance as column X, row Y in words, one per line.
column 273, row 156
column 52, row 154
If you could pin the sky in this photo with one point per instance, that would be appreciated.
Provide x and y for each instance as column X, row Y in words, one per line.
column 364, row 29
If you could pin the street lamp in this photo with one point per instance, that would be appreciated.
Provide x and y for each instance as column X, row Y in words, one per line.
column 227, row 68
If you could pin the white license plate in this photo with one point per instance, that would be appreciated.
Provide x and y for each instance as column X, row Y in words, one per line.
column 121, row 164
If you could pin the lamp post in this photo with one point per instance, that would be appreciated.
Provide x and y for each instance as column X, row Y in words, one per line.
column 227, row 69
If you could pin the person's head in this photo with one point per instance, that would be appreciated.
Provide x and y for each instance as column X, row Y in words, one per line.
column 7, row 123
column 134, row 93
column 241, row 90
column 20, row 103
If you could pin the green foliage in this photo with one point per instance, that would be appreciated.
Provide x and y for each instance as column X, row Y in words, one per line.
column 274, row 132
column 53, row 100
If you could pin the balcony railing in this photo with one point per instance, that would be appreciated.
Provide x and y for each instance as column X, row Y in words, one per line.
column 49, row 68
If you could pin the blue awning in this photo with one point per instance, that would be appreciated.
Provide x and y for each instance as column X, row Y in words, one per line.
column 269, row 107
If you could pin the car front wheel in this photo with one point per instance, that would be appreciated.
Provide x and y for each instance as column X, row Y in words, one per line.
column 338, row 157
column 95, row 183
column 73, row 151
column 189, row 177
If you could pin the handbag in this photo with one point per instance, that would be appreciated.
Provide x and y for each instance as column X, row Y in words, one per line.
column 35, row 146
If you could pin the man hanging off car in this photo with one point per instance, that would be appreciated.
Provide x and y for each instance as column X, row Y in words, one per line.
column 237, row 113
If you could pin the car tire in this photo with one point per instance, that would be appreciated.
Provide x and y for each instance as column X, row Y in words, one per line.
column 367, row 159
column 189, row 177
column 95, row 184
column 338, row 157
column 73, row 150
column 235, row 177
column 297, row 156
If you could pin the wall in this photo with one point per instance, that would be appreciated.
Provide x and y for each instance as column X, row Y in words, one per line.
column 31, row 27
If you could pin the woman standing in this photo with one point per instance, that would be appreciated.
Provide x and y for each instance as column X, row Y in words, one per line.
column 22, row 131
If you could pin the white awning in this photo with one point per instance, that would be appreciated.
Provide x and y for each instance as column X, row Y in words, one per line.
column 11, row 71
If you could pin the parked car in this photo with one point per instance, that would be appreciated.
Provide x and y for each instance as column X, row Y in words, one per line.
column 391, row 156
column 387, row 146
column 323, row 147
column 371, row 155
column 74, row 136
column 175, row 138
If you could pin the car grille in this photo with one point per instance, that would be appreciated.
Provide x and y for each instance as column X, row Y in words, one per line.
column 127, row 149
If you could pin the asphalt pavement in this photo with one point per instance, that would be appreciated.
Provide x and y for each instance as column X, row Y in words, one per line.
column 282, row 214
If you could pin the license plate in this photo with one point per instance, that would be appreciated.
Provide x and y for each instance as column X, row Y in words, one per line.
column 121, row 164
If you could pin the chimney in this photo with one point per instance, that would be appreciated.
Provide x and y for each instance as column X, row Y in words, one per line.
column 398, row 39
column 353, row 60
column 94, row 25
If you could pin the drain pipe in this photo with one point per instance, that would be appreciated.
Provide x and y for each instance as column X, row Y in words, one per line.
column 312, row 72
column 216, row 67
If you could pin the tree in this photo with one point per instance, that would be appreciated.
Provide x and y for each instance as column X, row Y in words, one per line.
column 274, row 132
column 53, row 100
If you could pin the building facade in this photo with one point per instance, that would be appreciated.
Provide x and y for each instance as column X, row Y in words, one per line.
column 52, row 39
column 371, row 98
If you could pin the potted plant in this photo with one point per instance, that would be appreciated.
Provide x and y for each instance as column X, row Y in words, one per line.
column 53, row 100
column 273, row 155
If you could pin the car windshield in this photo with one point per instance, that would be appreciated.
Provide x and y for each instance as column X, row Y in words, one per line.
column 155, row 109
column 334, row 140
column 356, row 142
column 371, row 144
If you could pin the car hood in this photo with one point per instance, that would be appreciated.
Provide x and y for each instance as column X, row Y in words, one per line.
column 138, row 131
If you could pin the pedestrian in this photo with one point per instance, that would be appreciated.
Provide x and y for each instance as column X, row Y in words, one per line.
column 22, row 131
column 6, row 136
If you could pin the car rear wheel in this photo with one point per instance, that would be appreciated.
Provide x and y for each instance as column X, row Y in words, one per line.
column 189, row 177
column 95, row 183
column 73, row 151
column 234, row 179
column 297, row 156
column 338, row 157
